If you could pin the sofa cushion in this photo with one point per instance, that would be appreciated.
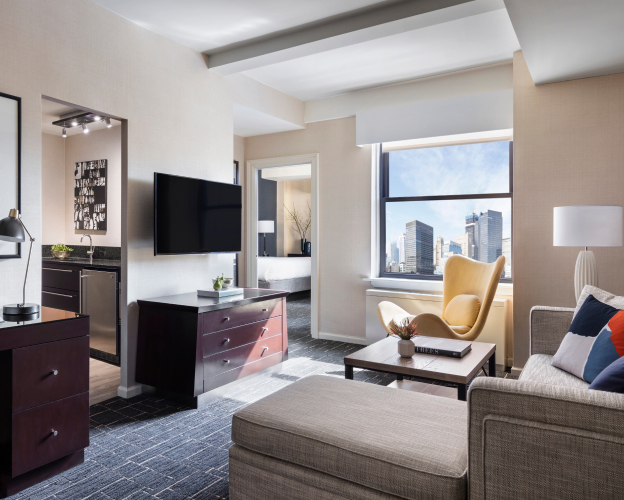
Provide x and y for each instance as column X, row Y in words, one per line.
column 595, row 340
column 402, row 443
column 611, row 379
column 539, row 369
column 462, row 310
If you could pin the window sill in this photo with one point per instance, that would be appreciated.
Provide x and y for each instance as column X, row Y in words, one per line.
column 425, row 286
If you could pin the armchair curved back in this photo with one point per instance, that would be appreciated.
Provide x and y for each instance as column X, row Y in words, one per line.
column 466, row 276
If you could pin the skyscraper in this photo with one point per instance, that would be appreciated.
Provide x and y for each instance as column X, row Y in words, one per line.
column 490, row 236
column 462, row 241
column 471, row 229
column 507, row 255
column 418, row 248
column 438, row 250
column 402, row 248
column 394, row 252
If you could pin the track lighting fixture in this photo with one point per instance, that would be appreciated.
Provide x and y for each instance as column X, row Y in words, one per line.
column 108, row 123
column 97, row 118
column 84, row 128
column 74, row 123
column 64, row 131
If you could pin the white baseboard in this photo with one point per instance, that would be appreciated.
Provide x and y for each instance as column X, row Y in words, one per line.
column 129, row 392
column 343, row 338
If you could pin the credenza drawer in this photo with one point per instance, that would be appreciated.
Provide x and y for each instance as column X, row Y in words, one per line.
column 46, row 433
column 241, row 315
column 65, row 278
column 47, row 372
column 65, row 300
column 225, row 340
column 234, row 358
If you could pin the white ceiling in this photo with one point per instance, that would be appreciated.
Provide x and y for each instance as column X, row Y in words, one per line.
column 249, row 122
column 52, row 111
column 569, row 39
column 465, row 43
column 208, row 24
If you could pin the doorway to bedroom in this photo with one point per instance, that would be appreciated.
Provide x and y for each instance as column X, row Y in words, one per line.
column 283, row 251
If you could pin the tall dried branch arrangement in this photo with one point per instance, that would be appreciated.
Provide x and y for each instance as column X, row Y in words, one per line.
column 301, row 225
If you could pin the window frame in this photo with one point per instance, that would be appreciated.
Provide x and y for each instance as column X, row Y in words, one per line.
column 384, row 198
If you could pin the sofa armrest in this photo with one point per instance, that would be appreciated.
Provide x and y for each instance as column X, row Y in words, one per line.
column 548, row 326
column 538, row 441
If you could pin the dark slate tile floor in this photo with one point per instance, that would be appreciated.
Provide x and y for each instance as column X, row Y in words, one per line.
column 152, row 448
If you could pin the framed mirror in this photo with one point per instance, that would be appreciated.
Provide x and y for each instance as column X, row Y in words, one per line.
column 10, row 165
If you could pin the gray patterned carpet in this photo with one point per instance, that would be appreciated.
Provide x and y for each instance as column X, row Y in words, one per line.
column 151, row 448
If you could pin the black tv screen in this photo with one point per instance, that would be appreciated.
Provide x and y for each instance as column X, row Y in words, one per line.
column 196, row 216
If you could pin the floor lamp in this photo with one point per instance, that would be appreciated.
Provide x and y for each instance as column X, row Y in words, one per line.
column 587, row 226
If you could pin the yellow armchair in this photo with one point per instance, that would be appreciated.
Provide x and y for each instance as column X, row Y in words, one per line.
column 469, row 288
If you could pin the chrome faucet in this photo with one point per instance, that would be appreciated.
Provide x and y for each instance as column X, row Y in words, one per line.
column 89, row 252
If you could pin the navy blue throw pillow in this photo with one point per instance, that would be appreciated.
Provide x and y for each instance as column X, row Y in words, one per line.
column 611, row 379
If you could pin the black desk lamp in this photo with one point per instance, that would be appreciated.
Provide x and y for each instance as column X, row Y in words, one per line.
column 12, row 229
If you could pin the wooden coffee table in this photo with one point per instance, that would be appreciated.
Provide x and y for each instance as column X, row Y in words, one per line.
column 382, row 356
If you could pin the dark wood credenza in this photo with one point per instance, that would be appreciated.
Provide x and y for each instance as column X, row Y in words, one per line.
column 188, row 345
column 44, row 397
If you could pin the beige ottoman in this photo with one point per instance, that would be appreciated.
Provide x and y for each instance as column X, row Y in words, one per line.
column 330, row 438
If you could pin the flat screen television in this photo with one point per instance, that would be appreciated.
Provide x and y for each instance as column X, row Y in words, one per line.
column 196, row 216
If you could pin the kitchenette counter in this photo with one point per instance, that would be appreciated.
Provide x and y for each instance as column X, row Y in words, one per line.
column 103, row 263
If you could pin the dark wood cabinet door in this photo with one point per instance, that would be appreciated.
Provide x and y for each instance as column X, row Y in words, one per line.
column 65, row 300
column 234, row 358
column 241, row 315
column 225, row 340
column 55, row 275
column 34, row 440
column 34, row 379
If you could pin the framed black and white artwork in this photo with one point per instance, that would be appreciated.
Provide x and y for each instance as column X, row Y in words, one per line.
column 90, row 195
column 10, row 165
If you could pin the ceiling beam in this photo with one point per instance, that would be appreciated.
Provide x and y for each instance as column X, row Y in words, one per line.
column 370, row 24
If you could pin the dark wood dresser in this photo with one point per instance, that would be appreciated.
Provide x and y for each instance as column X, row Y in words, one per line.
column 188, row 345
column 44, row 397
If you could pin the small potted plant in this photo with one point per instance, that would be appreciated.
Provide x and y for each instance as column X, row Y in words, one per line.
column 61, row 251
column 406, row 331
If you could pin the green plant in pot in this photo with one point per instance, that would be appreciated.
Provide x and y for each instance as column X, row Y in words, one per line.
column 406, row 331
column 61, row 251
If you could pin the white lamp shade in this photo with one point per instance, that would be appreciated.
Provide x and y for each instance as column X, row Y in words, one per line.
column 588, row 226
column 266, row 226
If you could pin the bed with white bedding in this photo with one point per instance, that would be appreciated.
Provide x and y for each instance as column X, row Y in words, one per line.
column 292, row 274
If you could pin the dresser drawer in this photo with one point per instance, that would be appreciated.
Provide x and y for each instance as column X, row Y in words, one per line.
column 65, row 300
column 34, row 380
column 34, row 442
column 234, row 358
column 242, row 315
column 65, row 278
column 235, row 337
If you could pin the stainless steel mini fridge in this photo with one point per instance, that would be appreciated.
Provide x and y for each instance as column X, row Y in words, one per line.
column 98, row 299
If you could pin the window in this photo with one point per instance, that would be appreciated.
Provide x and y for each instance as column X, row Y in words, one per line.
column 442, row 201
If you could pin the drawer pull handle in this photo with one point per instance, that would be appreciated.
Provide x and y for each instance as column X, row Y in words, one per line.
column 59, row 294
column 226, row 341
column 54, row 372
column 54, row 433
column 59, row 270
column 264, row 330
column 264, row 350
column 226, row 360
column 227, row 318
column 264, row 309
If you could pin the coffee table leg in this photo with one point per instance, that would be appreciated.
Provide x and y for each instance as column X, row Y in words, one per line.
column 348, row 372
column 462, row 391
column 492, row 365
column 399, row 377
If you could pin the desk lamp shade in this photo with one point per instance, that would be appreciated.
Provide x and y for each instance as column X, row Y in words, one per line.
column 12, row 229
column 587, row 226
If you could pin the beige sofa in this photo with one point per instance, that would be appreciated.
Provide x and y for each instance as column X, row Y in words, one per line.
column 541, row 437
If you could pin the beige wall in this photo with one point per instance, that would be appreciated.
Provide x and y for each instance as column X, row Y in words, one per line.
column 568, row 150
column 295, row 194
column 119, row 68
column 102, row 144
column 344, row 216
column 239, row 156
column 53, row 189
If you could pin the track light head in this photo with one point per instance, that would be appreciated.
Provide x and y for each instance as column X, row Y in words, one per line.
column 64, row 132
column 85, row 129
column 97, row 118
column 108, row 122
column 74, row 123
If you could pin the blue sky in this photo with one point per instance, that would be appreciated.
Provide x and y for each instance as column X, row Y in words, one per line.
column 466, row 169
